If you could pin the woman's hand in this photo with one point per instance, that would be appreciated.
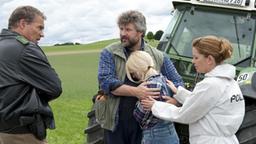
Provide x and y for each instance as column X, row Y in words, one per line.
column 170, row 100
column 172, row 86
column 147, row 103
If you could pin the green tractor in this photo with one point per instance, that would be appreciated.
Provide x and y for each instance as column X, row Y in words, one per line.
column 234, row 20
column 231, row 19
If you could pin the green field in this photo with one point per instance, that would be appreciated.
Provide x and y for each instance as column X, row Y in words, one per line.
column 78, row 73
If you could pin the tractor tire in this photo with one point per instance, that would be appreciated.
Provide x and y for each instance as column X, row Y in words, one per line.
column 246, row 133
column 183, row 132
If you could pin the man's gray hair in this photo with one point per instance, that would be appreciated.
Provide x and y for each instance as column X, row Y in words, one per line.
column 24, row 12
column 134, row 17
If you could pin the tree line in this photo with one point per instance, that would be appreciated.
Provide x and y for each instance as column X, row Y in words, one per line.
column 150, row 36
column 67, row 43
column 157, row 36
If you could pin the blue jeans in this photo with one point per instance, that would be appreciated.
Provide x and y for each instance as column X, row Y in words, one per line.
column 162, row 133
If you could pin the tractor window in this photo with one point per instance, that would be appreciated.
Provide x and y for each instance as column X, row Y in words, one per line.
column 238, row 28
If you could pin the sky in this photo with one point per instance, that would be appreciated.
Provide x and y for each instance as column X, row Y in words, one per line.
column 86, row 21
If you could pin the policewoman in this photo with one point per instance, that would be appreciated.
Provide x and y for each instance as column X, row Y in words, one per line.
column 215, row 108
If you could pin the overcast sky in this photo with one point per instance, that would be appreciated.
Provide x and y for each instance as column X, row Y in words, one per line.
column 86, row 21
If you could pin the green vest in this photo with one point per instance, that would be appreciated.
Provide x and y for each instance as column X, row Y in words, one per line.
column 106, row 111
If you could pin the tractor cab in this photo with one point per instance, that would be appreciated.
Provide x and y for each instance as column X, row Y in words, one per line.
column 234, row 20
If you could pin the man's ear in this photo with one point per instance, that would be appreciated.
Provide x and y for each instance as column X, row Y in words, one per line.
column 141, row 34
column 22, row 23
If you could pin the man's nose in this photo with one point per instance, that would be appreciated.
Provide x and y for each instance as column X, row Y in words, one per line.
column 42, row 34
column 123, row 32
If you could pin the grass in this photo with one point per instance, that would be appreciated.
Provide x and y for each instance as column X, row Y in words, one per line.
column 78, row 73
column 79, row 82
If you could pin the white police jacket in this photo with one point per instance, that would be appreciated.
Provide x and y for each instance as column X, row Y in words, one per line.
column 214, row 110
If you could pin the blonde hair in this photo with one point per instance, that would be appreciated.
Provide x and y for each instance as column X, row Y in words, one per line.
column 219, row 48
column 141, row 63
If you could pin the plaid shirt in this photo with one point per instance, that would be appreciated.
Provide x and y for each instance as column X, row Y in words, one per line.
column 146, row 119
column 107, row 76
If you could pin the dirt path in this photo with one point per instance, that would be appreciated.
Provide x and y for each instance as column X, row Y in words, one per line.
column 71, row 52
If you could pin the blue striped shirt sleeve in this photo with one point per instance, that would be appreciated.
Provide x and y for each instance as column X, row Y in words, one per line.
column 107, row 78
column 170, row 72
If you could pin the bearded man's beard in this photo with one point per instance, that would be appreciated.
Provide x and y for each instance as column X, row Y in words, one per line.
column 128, row 43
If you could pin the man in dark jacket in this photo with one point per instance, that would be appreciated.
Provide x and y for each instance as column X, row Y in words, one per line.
column 27, row 80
